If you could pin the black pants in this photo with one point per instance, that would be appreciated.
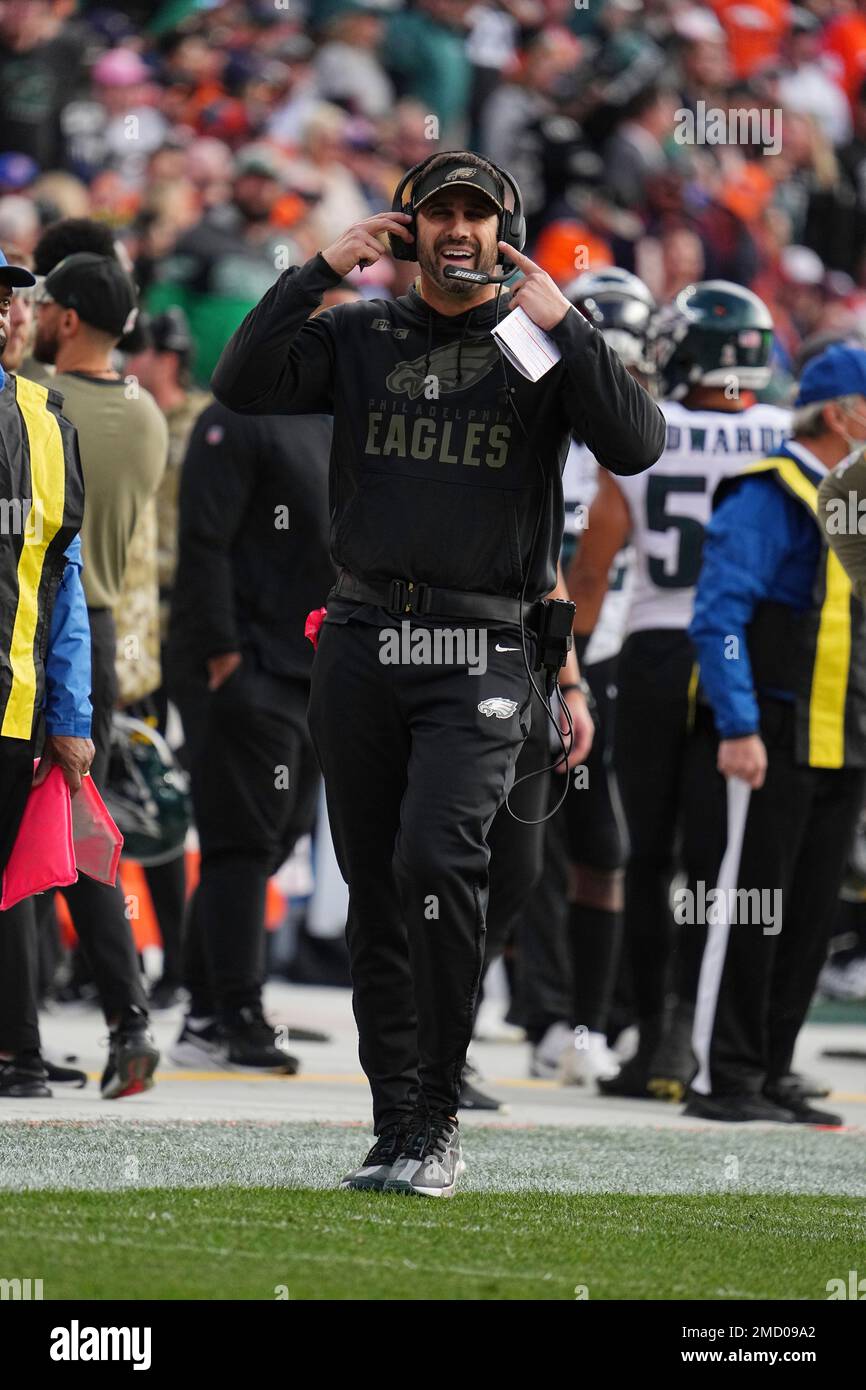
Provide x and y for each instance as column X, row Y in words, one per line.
column 517, row 850
column 99, row 912
column 542, row 983
column 757, row 981
column 19, row 1024
column 596, row 852
column 567, row 951
column 254, row 783
column 414, row 773
column 673, row 800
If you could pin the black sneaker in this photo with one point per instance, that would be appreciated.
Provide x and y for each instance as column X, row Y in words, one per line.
column 200, row 1045
column 64, row 1076
column 737, row 1109
column 376, row 1168
column 132, row 1058
column 633, row 1077
column 631, row 1080
column 164, row 994
column 803, row 1112
column 253, row 1042
column 805, row 1087
column 431, row 1161
column 674, row 1063
column 23, row 1080
column 473, row 1098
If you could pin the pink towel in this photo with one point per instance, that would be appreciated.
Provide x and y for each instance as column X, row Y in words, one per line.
column 313, row 625
column 42, row 856
column 96, row 840
column 60, row 834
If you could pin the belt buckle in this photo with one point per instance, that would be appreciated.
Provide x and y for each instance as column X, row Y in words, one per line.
column 397, row 601
column 421, row 598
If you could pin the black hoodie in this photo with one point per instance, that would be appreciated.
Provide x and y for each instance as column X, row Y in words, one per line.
column 432, row 478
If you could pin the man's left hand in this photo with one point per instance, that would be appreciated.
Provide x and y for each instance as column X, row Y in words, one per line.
column 73, row 755
column 583, row 727
column 537, row 295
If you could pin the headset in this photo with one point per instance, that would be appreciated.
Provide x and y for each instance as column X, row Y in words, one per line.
column 512, row 223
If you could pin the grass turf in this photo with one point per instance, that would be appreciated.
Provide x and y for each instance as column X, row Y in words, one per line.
column 131, row 1153
column 258, row 1243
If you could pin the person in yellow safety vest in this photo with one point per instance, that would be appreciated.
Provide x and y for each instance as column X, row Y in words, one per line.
column 44, row 658
column 782, row 655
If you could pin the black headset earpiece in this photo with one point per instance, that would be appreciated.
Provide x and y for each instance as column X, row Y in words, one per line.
column 405, row 250
column 512, row 224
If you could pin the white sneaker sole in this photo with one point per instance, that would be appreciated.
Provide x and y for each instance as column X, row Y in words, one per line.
column 405, row 1188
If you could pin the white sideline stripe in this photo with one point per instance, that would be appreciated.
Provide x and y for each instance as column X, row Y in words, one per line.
column 713, row 963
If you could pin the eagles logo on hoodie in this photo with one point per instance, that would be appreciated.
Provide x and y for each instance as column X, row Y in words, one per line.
column 455, row 367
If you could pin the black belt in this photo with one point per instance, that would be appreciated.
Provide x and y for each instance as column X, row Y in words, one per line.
column 401, row 596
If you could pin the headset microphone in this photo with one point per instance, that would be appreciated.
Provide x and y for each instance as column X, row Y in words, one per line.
column 477, row 277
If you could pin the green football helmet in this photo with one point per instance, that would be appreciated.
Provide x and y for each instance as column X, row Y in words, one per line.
column 146, row 792
column 713, row 333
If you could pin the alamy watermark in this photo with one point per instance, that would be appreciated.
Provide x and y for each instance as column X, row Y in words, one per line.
column 20, row 1290
column 715, row 125
column 846, row 516
column 755, row 907
column 438, row 646
column 20, row 516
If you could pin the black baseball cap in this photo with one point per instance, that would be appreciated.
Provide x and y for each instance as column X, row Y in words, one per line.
column 15, row 275
column 98, row 288
column 169, row 331
column 458, row 173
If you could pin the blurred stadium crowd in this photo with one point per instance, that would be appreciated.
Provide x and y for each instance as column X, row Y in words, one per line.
column 222, row 142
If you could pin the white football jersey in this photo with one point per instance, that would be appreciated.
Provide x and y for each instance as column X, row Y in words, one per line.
column 579, row 486
column 671, row 502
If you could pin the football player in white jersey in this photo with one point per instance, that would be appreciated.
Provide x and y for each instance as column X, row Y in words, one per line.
column 572, row 948
column 712, row 347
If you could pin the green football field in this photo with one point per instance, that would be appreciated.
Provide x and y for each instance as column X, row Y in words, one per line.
column 214, row 1211
column 255, row 1243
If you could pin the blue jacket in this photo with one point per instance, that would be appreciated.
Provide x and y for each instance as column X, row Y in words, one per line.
column 760, row 544
column 67, row 662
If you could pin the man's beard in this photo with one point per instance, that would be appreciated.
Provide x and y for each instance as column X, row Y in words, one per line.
column 45, row 349
column 13, row 350
column 485, row 261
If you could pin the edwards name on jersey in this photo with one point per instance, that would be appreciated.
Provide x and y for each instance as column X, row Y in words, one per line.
column 671, row 502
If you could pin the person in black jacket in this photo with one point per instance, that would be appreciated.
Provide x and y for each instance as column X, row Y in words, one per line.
column 446, row 507
column 253, row 560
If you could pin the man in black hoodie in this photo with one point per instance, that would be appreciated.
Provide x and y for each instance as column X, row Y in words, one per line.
column 446, row 508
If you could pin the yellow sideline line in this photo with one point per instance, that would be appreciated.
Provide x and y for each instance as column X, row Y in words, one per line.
column 350, row 1079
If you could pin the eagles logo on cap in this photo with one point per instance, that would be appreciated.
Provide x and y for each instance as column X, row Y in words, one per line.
column 481, row 180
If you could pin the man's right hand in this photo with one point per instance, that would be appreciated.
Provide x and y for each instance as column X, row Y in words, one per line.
column 219, row 668
column 361, row 242
column 73, row 755
column 745, row 758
